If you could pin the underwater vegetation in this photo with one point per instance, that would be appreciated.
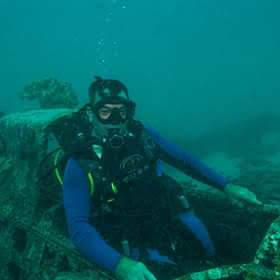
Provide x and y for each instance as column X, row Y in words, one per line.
column 51, row 93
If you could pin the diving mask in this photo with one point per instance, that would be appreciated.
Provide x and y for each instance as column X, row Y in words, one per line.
column 112, row 115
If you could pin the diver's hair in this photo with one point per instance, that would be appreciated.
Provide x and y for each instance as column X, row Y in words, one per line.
column 99, row 85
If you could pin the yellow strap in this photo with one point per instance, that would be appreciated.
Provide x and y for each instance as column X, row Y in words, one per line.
column 114, row 188
column 57, row 174
column 60, row 180
column 91, row 184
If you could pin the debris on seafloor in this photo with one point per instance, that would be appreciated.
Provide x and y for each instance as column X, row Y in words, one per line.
column 51, row 93
column 265, row 266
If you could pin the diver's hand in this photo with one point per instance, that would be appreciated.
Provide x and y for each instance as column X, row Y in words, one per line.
column 241, row 194
column 128, row 269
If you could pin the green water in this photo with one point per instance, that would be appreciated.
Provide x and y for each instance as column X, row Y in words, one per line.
column 192, row 65
column 205, row 73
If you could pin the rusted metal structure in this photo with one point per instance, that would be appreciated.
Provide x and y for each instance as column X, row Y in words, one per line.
column 33, row 237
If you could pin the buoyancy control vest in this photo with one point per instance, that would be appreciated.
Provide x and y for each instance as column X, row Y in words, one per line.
column 115, row 178
column 122, row 179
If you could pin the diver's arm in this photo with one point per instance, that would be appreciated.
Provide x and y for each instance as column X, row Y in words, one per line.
column 186, row 162
column 192, row 222
column 77, row 205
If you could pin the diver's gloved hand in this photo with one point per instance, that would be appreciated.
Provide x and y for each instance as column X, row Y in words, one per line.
column 128, row 269
column 241, row 194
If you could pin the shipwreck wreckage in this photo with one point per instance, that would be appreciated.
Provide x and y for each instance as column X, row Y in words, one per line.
column 33, row 237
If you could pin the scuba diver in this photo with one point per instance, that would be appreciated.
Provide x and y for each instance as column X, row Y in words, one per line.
column 120, row 206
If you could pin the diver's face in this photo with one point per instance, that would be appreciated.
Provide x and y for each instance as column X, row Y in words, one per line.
column 106, row 111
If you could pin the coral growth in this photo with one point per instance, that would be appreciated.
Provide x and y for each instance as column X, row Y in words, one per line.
column 50, row 93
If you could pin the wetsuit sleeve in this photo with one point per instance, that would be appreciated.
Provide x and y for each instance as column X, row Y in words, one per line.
column 196, row 226
column 77, row 204
column 186, row 162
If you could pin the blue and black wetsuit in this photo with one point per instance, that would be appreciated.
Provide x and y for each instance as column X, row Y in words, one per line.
column 78, row 203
